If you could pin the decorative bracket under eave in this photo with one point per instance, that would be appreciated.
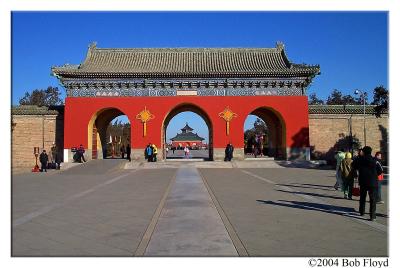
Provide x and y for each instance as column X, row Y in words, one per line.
column 227, row 115
column 145, row 116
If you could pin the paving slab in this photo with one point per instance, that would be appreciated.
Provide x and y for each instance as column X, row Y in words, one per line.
column 189, row 224
column 270, row 222
column 107, row 215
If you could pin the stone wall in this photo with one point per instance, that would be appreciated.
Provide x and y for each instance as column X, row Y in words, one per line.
column 330, row 132
column 34, row 130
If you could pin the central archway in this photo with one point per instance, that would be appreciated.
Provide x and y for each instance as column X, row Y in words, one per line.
column 187, row 107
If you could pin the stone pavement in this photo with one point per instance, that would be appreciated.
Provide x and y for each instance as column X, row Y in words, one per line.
column 189, row 224
column 188, row 209
column 295, row 212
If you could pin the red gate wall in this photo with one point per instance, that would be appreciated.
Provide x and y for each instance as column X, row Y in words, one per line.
column 292, row 109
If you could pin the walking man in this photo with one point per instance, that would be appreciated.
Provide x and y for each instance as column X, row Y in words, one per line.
column 368, row 180
column 149, row 153
column 128, row 152
column 43, row 161
column 122, row 150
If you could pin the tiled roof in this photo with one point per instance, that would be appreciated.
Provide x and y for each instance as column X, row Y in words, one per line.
column 36, row 110
column 186, row 62
column 186, row 128
column 189, row 136
column 341, row 109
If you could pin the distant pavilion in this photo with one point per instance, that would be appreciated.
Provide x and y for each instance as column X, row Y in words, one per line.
column 187, row 138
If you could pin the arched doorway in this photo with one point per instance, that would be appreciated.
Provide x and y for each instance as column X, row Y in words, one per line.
column 166, row 143
column 266, row 136
column 109, row 130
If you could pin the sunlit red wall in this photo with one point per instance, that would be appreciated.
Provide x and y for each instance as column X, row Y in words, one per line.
column 293, row 110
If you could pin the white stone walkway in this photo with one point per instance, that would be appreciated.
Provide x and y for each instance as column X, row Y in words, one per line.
column 189, row 224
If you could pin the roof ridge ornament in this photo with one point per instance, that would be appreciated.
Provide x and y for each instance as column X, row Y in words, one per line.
column 280, row 45
column 93, row 45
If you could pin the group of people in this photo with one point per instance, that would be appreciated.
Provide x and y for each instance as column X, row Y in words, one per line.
column 126, row 150
column 369, row 172
column 79, row 155
column 55, row 159
column 258, row 145
column 150, row 153
column 229, row 152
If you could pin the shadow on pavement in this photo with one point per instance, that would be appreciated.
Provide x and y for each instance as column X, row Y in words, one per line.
column 313, row 194
column 303, row 164
column 338, row 210
column 326, row 188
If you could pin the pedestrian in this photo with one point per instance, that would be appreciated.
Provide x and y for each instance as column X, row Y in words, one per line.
column 347, row 174
column 368, row 180
column 122, row 150
column 340, row 155
column 155, row 151
column 43, row 161
column 55, row 156
column 357, row 153
column 230, row 153
column 149, row 153
column 128, row 152
column 81, row 152
column 166, row 152
column 146, row 156
column 379, row 168
column 261, row 145
column 173, row 150
column 255, row 152
column 186, row 150
column 226, row 153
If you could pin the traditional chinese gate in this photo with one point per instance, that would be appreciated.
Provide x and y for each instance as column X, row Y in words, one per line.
column 222, row 85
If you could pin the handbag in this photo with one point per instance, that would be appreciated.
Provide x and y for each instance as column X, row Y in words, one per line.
column 356, row 188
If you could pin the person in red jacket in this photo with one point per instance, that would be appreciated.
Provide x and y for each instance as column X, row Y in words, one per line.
column 378, row 157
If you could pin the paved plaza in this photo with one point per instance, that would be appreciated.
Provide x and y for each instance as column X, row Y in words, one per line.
column 180, row 208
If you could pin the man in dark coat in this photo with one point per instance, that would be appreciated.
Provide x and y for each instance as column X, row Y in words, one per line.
column 122, row 150
column 226, row 152
column 81, row 151
column 230, row 151
column 43, row 160
column 128, row 152
column 368, row 180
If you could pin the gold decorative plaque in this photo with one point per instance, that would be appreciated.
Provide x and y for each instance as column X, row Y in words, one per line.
column 227, row 115
column 145, row 116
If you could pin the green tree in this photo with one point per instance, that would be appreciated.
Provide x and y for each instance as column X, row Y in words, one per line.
column 381, row 100
column 337, row 98
column 314, row 100
column 260, row 127
column 42, row 97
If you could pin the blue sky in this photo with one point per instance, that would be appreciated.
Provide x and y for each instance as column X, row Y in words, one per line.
column 351, row 47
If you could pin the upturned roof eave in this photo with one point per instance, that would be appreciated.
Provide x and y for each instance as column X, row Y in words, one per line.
column 273, row 73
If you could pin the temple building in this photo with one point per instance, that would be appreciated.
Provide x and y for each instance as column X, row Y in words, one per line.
column 221, row 85
column 187, row 138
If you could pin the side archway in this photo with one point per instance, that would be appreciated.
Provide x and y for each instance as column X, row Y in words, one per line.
column 276, row 137
column 187, row 107
column 97, row 131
